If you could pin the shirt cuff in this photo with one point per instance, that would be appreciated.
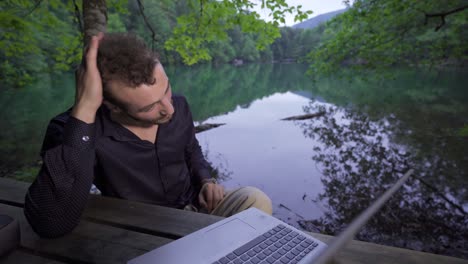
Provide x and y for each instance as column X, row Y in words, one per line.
column 204, row 175
column 79, row 134
column 209, row 180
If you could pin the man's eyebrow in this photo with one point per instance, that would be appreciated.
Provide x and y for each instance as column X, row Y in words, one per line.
column 151, row 105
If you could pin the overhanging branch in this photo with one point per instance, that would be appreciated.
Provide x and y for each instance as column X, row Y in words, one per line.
column 78, row 17
column 37, row 4
column 148, row 25
column 442, row 16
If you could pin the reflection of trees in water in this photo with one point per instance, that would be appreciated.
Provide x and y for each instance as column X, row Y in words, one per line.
column 219, row 167
column 359, row 162
column 217, row 90
column 24, row 115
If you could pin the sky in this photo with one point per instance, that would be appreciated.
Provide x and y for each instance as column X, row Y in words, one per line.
column 317, row 6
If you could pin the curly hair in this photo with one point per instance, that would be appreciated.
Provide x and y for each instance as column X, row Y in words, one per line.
column 125, row 58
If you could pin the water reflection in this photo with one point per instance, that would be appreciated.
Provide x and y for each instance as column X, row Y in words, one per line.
column 213, row 91
column 374, row 131
column 262, row 151
column 24, row 115
column 210, row 90
column 359, row 158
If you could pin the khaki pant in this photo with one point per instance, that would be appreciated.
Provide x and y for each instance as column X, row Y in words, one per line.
column 238, row 200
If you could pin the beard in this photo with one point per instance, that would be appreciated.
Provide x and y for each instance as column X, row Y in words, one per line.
column 162, row 120
column 148, row 122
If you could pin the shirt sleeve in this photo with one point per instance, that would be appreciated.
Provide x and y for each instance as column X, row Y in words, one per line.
column 196, row 162
column 56, row 199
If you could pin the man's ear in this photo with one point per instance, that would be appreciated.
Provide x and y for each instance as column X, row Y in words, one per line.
column 114, row 108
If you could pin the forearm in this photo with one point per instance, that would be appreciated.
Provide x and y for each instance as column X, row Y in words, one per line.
column 199, row 167
column 56, row 199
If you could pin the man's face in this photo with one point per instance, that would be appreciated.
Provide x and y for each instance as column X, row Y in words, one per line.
column 147, row 104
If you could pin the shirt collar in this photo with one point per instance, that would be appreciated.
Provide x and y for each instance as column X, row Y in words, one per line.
column 113, row 129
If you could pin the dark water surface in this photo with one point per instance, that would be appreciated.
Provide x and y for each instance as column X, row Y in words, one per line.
column 320, row 173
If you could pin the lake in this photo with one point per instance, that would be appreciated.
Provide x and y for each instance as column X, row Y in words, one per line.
column 320, row 172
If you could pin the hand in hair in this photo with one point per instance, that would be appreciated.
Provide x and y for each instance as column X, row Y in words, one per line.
column 88, row 97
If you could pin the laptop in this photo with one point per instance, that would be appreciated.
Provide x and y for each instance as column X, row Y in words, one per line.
column 252, row 236
column 237, row 239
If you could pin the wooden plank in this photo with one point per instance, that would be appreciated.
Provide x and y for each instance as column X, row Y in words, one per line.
column 364, row 252
column 355, row 252
column 12, row 192
column 147, row 218
column 130, row 215
column 88, row 243
column 19, row 256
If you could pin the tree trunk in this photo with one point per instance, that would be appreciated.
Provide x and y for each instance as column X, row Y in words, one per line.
column 94, row 17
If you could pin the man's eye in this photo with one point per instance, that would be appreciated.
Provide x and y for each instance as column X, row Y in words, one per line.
column 148, row 109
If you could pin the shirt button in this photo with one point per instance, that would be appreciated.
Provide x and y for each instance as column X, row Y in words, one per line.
column 85, row 138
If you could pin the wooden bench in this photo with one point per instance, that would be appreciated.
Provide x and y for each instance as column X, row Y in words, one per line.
column 114, row 231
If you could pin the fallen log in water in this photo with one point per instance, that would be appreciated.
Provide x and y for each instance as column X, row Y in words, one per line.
column 204, row 127
column 304, row 117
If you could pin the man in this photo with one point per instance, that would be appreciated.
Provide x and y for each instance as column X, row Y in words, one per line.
column 131, row 137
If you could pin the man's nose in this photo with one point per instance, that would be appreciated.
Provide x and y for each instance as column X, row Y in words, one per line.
column 167, row 107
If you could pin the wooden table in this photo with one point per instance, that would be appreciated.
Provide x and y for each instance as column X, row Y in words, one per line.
column 114, row 231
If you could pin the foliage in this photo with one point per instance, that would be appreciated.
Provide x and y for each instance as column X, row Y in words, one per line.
column 115, row 23
column 160, row 17
column 195, row 30
column 35, row 38
column 45, row 36
column 380, row 34
column 295, row 44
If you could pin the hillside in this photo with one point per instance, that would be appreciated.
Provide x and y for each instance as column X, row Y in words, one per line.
column 315, row 21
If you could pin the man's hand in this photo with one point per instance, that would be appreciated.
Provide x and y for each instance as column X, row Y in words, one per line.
column 210, row 195
column 88, row 97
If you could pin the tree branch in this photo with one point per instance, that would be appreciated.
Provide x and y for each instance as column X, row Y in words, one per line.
column 148, row 25
column 78, row 17
column 436, row 191
column 442, row 16
column 201, row 15
column 38, row 3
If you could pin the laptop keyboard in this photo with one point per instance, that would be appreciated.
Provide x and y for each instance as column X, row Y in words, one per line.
column 278, row 245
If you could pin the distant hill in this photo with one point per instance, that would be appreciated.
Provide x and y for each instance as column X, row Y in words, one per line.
column 315, row 21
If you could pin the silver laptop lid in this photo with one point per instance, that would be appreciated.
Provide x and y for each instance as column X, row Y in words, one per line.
column 214, row 242
column 348, row 234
